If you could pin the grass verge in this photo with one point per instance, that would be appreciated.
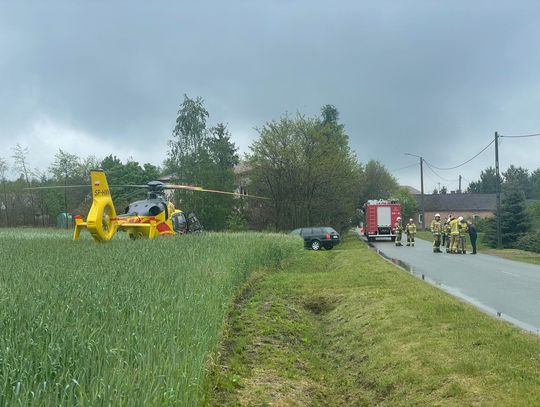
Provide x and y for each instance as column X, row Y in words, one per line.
column 344, row 327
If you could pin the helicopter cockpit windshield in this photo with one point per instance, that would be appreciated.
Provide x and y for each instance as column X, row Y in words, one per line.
column 146, row 208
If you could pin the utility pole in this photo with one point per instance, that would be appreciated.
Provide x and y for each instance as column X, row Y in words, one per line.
column 422, row 193
column 498, row 191
column 459, row 189
column 421, row 189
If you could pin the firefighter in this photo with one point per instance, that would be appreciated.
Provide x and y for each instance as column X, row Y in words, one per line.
column 410, row 229
column 463, row 232
column 398, row 228
column 443, row 233
column 454, row 235
column 473, row 235
column 447, row 232
column 436, row 229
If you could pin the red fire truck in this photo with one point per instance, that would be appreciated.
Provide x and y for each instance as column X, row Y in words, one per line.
column 380, row 217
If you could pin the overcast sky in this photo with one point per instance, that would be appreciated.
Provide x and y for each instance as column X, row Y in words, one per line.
column 432, row 78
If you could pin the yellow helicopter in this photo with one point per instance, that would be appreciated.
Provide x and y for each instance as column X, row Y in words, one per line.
column 152, row 217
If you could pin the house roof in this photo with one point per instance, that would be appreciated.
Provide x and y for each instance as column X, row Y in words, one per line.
column 458, row 202
column 412, row 190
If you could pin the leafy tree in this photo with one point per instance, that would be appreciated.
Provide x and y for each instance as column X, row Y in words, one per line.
column 514, row 222
column 306, row 167
column 534, row 180
column 519, row 177
column 151, row 172
column 330, row 116
column 486, row 184
column 407, row 201
column 444, row 190
column 205, row 157
column 376, row 182
column 533, row 214
column 66, row 166
column 189, row 137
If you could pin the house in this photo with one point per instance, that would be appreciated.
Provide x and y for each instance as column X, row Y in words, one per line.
column 470, row 206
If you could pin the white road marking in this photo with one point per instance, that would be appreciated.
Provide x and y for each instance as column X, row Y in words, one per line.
column 509, row 273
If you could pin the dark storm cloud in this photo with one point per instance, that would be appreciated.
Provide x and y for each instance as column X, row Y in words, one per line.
column 430, row 78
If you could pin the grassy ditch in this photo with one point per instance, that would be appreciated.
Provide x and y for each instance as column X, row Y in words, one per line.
column 121, row 323
column 510, row 254
column 347, row 328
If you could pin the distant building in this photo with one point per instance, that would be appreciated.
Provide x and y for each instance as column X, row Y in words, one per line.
column 242, row 171
column 470, row 206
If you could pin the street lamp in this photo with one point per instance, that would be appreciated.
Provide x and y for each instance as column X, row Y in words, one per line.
column 421, row 188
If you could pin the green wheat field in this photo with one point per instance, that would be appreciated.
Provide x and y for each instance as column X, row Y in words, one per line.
column 121, row 323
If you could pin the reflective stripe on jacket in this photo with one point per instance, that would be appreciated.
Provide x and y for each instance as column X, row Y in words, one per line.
column 411, row 228
column 454, row 227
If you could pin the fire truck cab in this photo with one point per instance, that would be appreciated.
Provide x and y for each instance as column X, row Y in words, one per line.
column 380, row 216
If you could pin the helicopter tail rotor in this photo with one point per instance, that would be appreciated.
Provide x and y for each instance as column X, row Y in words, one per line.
column 100, row 221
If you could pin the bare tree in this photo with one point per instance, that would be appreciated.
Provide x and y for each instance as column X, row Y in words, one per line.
column 20, row 164
column 4, row 205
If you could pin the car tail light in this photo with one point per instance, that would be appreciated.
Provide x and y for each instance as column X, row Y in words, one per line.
column 327, row 237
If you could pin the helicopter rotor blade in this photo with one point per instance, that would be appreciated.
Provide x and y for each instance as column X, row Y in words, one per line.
column 58, row 187
column 85, row 186
column 214, row 191
column 128, row 186
column 163, row 186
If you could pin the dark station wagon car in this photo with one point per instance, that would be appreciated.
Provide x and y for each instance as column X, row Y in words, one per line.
column 317, row 237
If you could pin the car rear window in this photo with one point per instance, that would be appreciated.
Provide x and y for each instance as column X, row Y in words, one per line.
column 329, row 230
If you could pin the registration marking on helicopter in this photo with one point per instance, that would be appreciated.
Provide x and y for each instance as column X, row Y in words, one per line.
column 102, row 192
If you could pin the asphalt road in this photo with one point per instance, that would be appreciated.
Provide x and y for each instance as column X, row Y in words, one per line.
column 507, row 289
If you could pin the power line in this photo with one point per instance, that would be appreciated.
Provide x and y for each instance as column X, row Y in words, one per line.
column 433, row 171
column 462, row 164
column 521, row 135
column 404, row 168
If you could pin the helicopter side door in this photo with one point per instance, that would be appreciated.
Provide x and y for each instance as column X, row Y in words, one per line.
column 179, row 222
column 194, row 225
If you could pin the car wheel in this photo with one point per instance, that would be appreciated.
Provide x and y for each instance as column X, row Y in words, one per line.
column 329, row 247
column 315, row 245
column 393, row 238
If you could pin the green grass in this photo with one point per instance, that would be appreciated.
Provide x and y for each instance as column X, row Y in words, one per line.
column 121, row 323
column 345, row 327
column 510, row 254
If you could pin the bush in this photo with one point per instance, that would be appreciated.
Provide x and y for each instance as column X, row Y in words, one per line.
column 529, row 242
column 481, row 224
